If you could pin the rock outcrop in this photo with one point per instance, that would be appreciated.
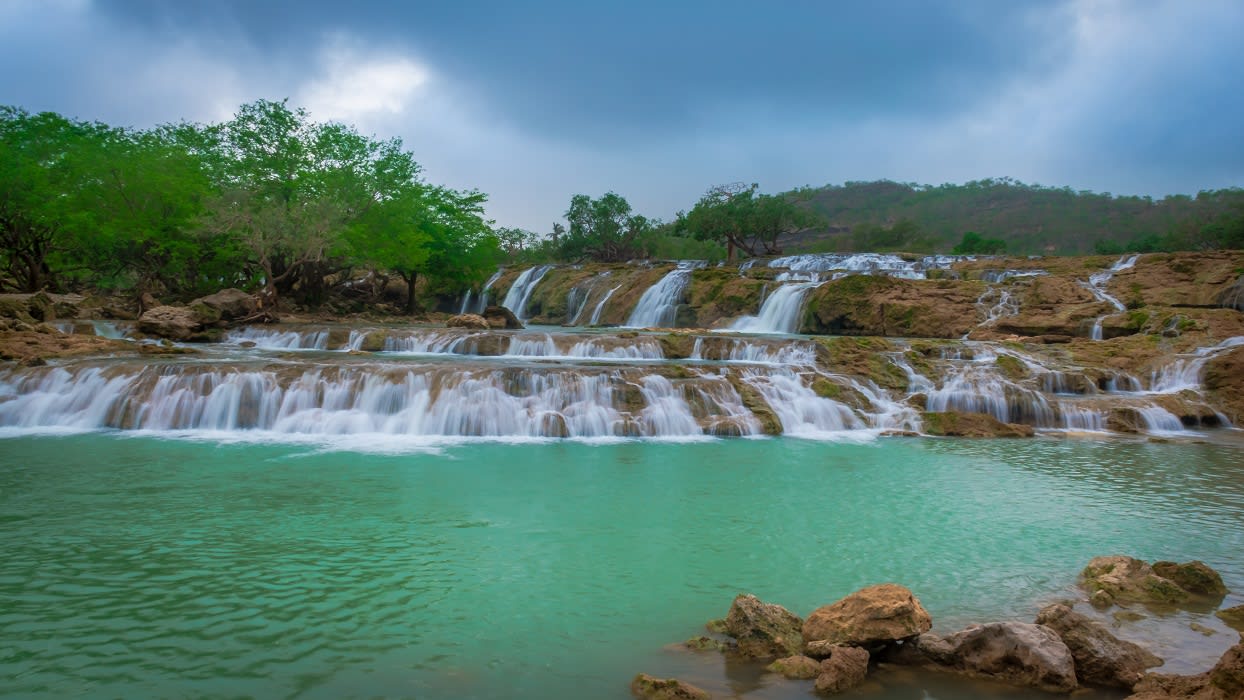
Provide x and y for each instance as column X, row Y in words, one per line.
column 1125, row 579
column 501, row 318
column 229, row 305
column 763, row 630
column 972, row 425
column 1225, row 681
column 474, row 321
column 845, row 668
column 877, row 614
column 1101, row 659
column 1015, row 652
column 652, row 688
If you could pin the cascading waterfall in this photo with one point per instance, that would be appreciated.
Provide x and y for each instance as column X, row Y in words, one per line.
column 483, row 293
column 780, row 312
column 600, row 307
column 1185, row 372
column 801, row 412
column 520, row 292
column 658, row 307
column 1097, row 286
column 753, row 351
column 579, row 295
column 278, row 339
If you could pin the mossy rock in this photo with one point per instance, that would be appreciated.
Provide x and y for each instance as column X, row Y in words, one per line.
column 374, row 341
column 1011, row 367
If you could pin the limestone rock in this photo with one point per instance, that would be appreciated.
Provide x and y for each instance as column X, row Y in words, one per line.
column 1015, row 652
column 880, row 613
column 972, row 425
column 467, row 321
column 652, row 688
column 1126, row 579
column 1234, row 617
column 796, row 667
column 173, row 322
column 763, row 629
column 1225, row 681
column 500, row 317
column 1101, row 659
column 230, row 304
column 1194, row 577
column 844, row 669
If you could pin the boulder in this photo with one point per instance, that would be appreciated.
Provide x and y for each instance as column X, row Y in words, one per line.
column 1225, row 681
column 763, row 630
column 474, row 321
column 501, row 318
column 1194, row 576
column 796, row 667
column 845, row 668
column 1126, row 579
column 652, row 688
column 1101, row 659
column 230, row 304
column 172, row 322
column 882, row 613
column 1015, row 652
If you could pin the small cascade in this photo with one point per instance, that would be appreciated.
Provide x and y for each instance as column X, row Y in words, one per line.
column 658, row 307
column 1080, row 418
column 526, row 346
column 998, row 276
column 867, row 264
column 998, row 303
column 600, row 307
column 426, row 343
column 916, row 383
column 483, row 293
column 801, row 412
column 1097, row 285
column 667, row 413
column 579, row 295
column 355, row 342
column 466, row 302
column 278, row 339
column 1120, row 383
column 641, row 349
column 1159, row 420
column 753, row 351
column 520, row 292
column 1185, row 372
column 780, row 312
column 978, row 388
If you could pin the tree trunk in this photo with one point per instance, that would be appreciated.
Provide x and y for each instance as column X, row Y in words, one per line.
column 411, row 308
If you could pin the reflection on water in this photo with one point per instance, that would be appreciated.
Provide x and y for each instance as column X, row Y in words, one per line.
column 152, row 568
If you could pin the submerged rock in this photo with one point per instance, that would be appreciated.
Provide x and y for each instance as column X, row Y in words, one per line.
column 1234, row 617
column 1101, row 659
column 882, row 613
column 1225, row 681
column 1126, row 579
column 845, row 668
column 796, row 667
column 763, row 630
column 653, row 688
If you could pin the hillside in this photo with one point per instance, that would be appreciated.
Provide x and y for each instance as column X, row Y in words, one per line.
column 1030, row 219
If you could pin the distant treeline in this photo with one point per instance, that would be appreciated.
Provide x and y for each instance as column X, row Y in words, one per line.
column 1026, row 219
column 302, row 211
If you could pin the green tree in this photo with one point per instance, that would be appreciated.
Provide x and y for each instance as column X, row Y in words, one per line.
column 603, row 229
column 973, row 244
column 736, row 216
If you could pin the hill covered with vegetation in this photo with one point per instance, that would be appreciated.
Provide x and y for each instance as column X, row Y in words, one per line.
column 1028, row 219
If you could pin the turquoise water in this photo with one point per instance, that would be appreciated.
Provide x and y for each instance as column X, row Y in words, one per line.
column 140, row 567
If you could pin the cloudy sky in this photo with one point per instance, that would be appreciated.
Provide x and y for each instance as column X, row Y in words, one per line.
column 532, row 101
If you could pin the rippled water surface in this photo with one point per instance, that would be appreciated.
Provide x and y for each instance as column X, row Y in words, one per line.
column 136, row 567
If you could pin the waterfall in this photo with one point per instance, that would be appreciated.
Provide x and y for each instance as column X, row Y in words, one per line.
column 278, row 339
column 779, row 313
column 595, row 320
column 757, row 351
column 801, row 412
column 466, row 302
column 579, row 295
column 666, row 413
column 658, row 306
column 1185, row 372
column 483, row 293
column 1097, row 286
column 516, row 298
